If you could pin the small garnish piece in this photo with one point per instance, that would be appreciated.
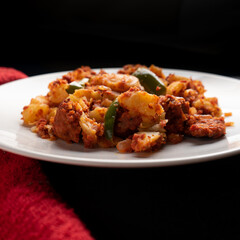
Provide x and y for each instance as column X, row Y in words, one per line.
column 229, row 124
column 150, row 81
column 76, row 85
column 109, row 119
column 228, row 114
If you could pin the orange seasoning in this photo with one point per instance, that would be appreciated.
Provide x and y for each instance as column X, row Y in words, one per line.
column 228, row 114
column 229, row 124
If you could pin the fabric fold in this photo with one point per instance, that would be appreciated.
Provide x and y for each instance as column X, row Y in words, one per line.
column 29, row 206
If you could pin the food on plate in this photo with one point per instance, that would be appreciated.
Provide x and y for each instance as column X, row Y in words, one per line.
column 136, row 109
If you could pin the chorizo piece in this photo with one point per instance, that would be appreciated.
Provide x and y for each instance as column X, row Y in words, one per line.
column 66, row 122
column 205, row 126
column 177, row 110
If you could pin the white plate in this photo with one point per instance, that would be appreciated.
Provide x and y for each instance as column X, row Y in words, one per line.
column 16, row 138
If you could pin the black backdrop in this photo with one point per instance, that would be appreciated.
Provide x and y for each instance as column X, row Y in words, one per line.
column 45, row 36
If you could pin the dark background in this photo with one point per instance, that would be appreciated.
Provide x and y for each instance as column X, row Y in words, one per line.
column 197, row 201
column 47, row 36
column 200, row 201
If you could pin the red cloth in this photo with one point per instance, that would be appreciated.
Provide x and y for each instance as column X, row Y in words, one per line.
column 29, row 207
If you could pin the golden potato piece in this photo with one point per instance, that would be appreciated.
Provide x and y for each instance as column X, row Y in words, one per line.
column 208, row 106
column 57, row 91
column 90, row 131
column 173, row 78
column 158, row 71
column 176, row 88
column 130, row 68
column 144, row 141
column 124, row 146
column 79, row 74
column 117, row 82
column 98, row 114
column 99, row 93
column 141, row 103
column 37, row 109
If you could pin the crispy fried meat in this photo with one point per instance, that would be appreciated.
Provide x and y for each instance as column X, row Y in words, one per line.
column 205, row 126
column 66, row 122
column 176, row 109
column 125, row 123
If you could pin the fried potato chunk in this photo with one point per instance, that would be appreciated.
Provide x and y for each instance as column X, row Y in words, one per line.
column 117, row 82
column 90, row 131
column 124, row 146
column 208, row 106
column 98, row 114
column 130, row 68
column 57, row 91
column 142, row 141
column 176, row 88
column 158, row 71
column 79, row 74
column 145, row 141
column 37, row 109
column 176, row 78
column 178, row 84
column 96, row 93
column 141, row 103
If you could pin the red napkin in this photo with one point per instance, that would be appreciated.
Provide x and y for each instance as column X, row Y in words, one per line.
column 29, row 207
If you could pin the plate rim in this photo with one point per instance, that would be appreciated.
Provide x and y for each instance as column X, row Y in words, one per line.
column 117, row 163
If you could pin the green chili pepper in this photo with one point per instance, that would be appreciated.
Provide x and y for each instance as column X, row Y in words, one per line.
column 150, row 81
column 109, row 119
column 76, row 85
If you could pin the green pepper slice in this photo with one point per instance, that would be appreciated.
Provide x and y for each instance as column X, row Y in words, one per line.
column 109, row 119
column 76, row 85
column 150, row 81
